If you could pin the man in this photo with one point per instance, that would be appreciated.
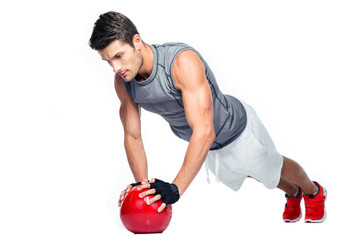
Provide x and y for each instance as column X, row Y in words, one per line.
column 173, row 80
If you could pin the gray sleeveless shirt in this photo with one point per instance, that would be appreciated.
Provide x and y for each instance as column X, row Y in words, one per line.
column 159, row 95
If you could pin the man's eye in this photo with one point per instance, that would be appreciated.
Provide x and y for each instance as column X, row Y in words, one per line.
column 118, row 56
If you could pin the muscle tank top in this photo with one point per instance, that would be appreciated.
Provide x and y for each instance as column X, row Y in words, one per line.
column 158, row 94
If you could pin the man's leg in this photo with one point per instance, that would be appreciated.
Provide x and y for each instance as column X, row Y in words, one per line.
column 293, row 175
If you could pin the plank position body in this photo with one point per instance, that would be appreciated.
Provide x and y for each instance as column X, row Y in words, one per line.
column 174, row 81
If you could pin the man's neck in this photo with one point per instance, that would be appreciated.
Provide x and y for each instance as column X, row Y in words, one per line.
column 147, row 65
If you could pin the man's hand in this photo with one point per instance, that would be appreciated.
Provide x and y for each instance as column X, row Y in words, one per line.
column 128, row 188
column 169, row 193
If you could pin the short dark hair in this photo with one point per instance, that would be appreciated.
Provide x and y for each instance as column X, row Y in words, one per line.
column 112, row 26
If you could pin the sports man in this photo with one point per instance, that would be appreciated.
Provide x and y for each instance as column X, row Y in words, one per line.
column 174, row 81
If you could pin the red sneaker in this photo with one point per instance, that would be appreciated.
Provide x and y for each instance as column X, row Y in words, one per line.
column 315, row 206
column 292, row 212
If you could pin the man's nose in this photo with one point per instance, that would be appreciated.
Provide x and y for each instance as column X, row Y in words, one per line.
column 116, row 68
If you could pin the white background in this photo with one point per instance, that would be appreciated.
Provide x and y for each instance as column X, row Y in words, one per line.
column 62, row 159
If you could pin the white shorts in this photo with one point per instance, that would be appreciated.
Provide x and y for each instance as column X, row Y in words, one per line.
column 253, row 154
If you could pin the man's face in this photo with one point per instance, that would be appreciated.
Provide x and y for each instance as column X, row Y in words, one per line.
column 124, row 59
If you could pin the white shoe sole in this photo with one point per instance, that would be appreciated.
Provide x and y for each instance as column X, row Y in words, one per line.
column 294, row 220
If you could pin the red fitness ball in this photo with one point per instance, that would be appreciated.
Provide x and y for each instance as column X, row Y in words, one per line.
column 138, row 217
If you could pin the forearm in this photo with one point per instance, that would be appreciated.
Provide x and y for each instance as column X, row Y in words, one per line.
column 196, row 153
column 136, row 157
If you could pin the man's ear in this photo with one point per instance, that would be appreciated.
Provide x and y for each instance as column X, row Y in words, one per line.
column 137, row 42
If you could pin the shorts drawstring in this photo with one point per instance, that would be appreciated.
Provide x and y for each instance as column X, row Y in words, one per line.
column 207, row 170
column 217, row 165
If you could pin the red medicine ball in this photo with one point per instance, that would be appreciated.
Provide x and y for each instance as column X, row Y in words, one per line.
column 138, row 217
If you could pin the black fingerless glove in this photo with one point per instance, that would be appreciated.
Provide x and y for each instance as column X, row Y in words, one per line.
column 169, row 192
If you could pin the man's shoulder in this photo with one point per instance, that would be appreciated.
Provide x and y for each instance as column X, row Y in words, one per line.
column 167, row 52
column 122, row 88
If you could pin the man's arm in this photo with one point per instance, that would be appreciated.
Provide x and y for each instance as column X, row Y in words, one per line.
column 130, row 118
column 189, row 77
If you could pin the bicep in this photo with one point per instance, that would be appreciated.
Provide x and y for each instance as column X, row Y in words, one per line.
column 190, row 79
column 198, row 106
